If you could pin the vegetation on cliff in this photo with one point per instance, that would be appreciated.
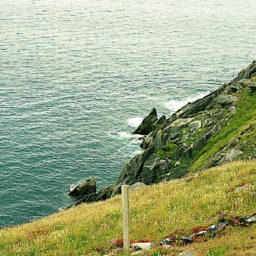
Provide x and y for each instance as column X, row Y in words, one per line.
column 199, row 199
column 211, row 131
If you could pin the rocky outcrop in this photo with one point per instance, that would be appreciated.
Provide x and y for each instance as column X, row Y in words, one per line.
column 246, row 73
column 226, row 99
column 172, row 145
column 147, row 124
column 84, row 188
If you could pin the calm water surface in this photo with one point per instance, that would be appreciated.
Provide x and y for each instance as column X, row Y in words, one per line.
column 75, row 75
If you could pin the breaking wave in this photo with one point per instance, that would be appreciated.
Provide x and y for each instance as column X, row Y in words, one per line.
column 174, row 105
column 135, row 121
column 127, row 135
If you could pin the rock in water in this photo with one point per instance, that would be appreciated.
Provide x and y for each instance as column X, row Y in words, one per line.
column 83, row 188
column 147, row 124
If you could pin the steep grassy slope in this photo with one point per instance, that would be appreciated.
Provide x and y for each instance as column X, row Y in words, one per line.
column 238, row 133
column 155, row 212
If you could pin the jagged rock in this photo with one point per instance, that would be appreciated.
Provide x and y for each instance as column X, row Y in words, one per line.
column 199, row 105
column 148, row 171
column 83, row 188
column 225, row 100
column 147, row 124
column 195, row 125
column 133, row 169
column 159, row 140
column 233, row 154
column 160, row 123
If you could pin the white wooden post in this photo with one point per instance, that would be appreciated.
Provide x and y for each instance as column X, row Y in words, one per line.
column 125, row 209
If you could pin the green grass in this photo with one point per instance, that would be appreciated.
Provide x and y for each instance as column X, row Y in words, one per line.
column 155, row 212
column 218, row 251
column 168, row 150
column 245, row 115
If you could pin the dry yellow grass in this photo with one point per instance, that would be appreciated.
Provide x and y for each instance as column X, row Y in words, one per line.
column 155, row 212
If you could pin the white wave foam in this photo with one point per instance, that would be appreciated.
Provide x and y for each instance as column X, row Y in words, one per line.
column 127, row 135
column 135, row 121
column 136, row 152
column 174, row 105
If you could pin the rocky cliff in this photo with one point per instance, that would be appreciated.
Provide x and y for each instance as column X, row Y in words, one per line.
column 218, row 128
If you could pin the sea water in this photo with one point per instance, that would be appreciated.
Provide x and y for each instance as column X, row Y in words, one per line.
column 77, row 76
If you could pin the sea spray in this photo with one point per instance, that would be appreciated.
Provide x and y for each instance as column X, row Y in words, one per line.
column 174, row 105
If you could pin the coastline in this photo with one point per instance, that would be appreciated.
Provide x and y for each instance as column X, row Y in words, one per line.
column 172, row 146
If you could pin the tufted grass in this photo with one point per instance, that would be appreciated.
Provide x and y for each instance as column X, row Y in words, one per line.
column 155, row 212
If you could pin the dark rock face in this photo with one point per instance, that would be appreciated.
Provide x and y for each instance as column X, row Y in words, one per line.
column 161, row 122
column 147, row 124
column 172, row 144
column 83, row 188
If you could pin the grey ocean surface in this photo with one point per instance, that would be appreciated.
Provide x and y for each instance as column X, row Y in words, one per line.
column 75, row 74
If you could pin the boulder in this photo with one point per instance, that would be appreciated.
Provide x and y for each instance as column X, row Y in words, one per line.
column 225, row 100
column 84, row 188
column 137, row 185
column 194, row 126
column 182, row 122
column 142, row 246
column 244, row 82
column 233, row 155
column 147, row 124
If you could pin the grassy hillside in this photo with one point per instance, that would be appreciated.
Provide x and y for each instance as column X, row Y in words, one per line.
column 240, row 127
column 155, row 212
